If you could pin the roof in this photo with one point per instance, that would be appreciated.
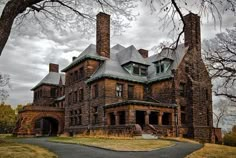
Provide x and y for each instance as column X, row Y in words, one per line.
column 52, row 78
column 88, row 53
column 139, row 102
column 175, row 56
column 130, row 54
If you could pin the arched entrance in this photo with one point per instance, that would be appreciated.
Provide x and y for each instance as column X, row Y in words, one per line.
column 46, row 126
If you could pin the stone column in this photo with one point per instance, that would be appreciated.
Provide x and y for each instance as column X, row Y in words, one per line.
column 117, row 118
column 160, row 118
column 132, row 117
column 173, row 119
column 147, row 113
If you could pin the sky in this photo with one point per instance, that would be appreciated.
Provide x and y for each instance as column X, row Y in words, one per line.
column 30, row 49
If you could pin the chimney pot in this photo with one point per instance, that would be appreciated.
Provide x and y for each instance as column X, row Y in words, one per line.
column 73, row 58
column 143, row 52
column 53, row 67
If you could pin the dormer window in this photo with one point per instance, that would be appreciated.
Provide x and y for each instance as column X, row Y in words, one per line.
column 162, row 66
column 136, row 69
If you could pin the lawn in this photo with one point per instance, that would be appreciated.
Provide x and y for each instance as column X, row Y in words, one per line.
column 117, row 144
column 214, row 151
column 9, row 149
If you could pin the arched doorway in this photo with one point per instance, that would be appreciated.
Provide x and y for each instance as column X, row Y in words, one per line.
column 46, row 126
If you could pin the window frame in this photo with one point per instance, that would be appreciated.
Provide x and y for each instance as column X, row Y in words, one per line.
column 119, row 90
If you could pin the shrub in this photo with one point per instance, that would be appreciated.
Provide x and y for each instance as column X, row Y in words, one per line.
column 230, row 139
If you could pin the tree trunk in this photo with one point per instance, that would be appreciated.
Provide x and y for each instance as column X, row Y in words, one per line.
column 10, row 12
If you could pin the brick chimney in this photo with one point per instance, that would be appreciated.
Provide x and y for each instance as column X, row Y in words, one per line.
column 192, row 32
column 103, row 34
column 143, row 52
column 53, row 67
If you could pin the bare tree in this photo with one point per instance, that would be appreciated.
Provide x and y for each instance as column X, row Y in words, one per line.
column 4, row 82
column 73, row 12
column 173, row 12
column 64, row 13
column 220, row 55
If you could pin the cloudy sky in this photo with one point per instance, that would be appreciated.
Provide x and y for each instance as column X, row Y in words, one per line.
column 30, row 49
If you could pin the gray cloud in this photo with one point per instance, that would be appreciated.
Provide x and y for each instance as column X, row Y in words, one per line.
column 30, row 48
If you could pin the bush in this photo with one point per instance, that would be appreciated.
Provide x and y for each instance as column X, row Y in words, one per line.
column 230, row 139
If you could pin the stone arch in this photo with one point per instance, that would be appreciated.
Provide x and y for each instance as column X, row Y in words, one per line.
column 58, row 118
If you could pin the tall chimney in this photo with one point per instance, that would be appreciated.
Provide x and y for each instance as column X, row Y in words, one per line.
column 53, row 67
column 143, row 52
column 192, row 32
column 103, row 34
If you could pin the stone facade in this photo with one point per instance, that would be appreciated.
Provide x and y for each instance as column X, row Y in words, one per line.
column 178, row 105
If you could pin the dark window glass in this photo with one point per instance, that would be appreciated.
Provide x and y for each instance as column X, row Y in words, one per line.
column 183, row 118
column 81, row 73
column 81, row 94
column 143, row 71
column 53, row 92
column 75, row 96
column 119, row 90
column 136, row 70
column 95, row 91
column 130, row 91
column 76, row 77
column 182, row 89
column 162, row 67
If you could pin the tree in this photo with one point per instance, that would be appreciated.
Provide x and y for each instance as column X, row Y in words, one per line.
column 79, row 12
column 4, row 82
column 220, row 55
column 7, row 118
column 67, row 14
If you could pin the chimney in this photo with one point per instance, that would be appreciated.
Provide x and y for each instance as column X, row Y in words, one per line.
column 192, row 32
column 103, row 35
column 143, row 52
column 53, row 67
column 73, row 58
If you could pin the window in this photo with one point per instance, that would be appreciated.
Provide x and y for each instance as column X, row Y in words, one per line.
column 95, row 109
column 79, row 120
column 71, row 78
column 183, row 118
column 162, row 66
column 75, row 96
column 81, row 73
column 95, row 91
column 95, row 118
column 130, row 91
column 76, row 77
column 69, row 98
column 81, row 94
column 143, row 71
column 136, row 70
column 119, row 90
column 182, row 89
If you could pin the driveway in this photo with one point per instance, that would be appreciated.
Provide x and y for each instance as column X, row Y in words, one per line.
column 180, row 150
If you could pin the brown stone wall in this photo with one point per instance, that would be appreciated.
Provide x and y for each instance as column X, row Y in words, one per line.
column 110, row 91
column 163, row 91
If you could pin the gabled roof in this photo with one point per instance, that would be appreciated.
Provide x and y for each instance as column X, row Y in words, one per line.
column 175, row 56
column 52, row 78
column 130, row 54
column 88, row 53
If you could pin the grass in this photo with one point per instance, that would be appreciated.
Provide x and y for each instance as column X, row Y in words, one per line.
column 214, row 151
column 9, row 149
column 181, row 139
column 116, row 144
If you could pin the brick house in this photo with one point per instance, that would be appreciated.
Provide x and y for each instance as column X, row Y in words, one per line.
column 122, row 89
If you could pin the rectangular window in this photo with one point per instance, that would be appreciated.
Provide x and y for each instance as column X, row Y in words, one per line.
column 143, row 72
column 157, row 69
column 76, row 77
column 95, row 91
column 183, row 118
column 79, row 120
column 182, row 89
column 75, row 96
column 136, row 70
column 53, row 92
column 71, row 78
column 130, row 91
column 206, row 91
column 162, row 68
column 69, row 98
column 95, row 118
column 119, row 90
column 81, row 73
column 81, row 94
